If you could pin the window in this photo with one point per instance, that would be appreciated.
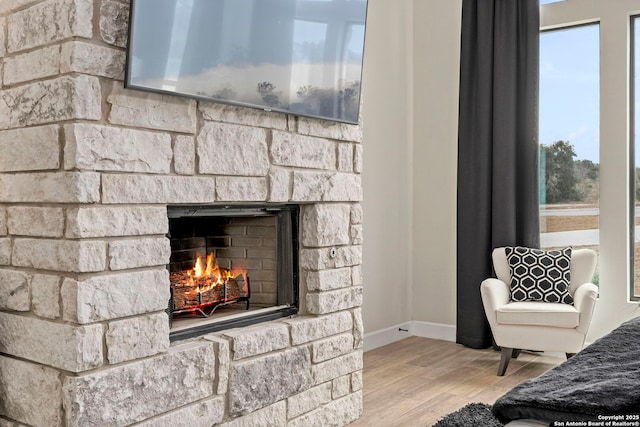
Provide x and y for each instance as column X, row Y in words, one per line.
column 569, row 137
column 616, row 163
column 635, row 283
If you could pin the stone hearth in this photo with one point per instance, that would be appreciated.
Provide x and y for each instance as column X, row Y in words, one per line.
column 87, row 170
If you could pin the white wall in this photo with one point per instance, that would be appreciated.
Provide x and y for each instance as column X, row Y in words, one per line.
column 436, row 56
column 410, row 135
column 387, row 167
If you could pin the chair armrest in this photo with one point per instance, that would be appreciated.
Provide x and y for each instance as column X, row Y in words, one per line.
column 495, row 293
column 584, row 300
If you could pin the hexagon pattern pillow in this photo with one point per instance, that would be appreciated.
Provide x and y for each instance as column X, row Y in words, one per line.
column 538, row 275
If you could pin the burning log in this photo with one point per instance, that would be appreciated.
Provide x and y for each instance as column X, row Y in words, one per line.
column 188, row 292
column 207, row 286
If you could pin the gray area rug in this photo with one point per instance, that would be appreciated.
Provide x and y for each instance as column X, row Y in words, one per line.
column 473, row 414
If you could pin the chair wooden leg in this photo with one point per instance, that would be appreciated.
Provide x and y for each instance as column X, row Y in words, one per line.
column 516, row 353
column 505, row 356
column 570, row 355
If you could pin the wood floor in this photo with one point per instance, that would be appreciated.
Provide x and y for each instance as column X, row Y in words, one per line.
column 417, row 381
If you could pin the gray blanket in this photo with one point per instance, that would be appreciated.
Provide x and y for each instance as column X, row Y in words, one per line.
column 603, row 379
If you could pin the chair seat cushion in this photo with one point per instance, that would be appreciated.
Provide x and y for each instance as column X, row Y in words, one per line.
column 539, row 314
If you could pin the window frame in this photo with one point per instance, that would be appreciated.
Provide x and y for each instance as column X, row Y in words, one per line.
column 616, row 237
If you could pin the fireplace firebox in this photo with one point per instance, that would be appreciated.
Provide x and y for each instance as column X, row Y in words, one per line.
column 231, row 266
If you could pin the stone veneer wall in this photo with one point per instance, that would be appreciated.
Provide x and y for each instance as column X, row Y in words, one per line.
column 86, row 172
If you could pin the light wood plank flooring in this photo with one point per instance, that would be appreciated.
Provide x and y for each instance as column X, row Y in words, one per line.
column 416, row 381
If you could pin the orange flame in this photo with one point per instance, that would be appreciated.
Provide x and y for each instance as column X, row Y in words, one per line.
column 197, row 269
column 212, row 273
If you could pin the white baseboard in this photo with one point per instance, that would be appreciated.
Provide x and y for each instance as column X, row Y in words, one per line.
column 437, row 331
column 386, row 336
column 404, row 330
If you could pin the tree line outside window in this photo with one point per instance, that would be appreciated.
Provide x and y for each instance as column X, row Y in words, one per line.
column 565, row 179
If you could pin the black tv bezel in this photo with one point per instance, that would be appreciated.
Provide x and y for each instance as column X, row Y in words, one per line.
column 129, row 85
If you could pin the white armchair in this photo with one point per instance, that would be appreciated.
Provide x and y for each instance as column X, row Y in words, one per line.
column 540, row 326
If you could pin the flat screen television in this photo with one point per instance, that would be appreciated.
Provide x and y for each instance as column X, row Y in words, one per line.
column 301, row 57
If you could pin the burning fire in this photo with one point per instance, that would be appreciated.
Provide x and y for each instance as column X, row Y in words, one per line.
column 203, row 279
column 208, row 285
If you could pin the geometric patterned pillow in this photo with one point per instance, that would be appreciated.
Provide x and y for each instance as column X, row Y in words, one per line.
column 538, row 275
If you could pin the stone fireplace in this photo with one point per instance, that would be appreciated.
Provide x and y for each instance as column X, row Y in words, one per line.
column 90, row 174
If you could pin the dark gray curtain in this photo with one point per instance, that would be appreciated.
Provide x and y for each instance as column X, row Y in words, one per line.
column 497, row 147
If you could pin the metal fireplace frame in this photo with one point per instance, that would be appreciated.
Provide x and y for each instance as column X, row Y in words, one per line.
column 287, row 268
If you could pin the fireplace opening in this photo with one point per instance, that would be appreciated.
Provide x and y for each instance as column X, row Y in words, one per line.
column 231, row 266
